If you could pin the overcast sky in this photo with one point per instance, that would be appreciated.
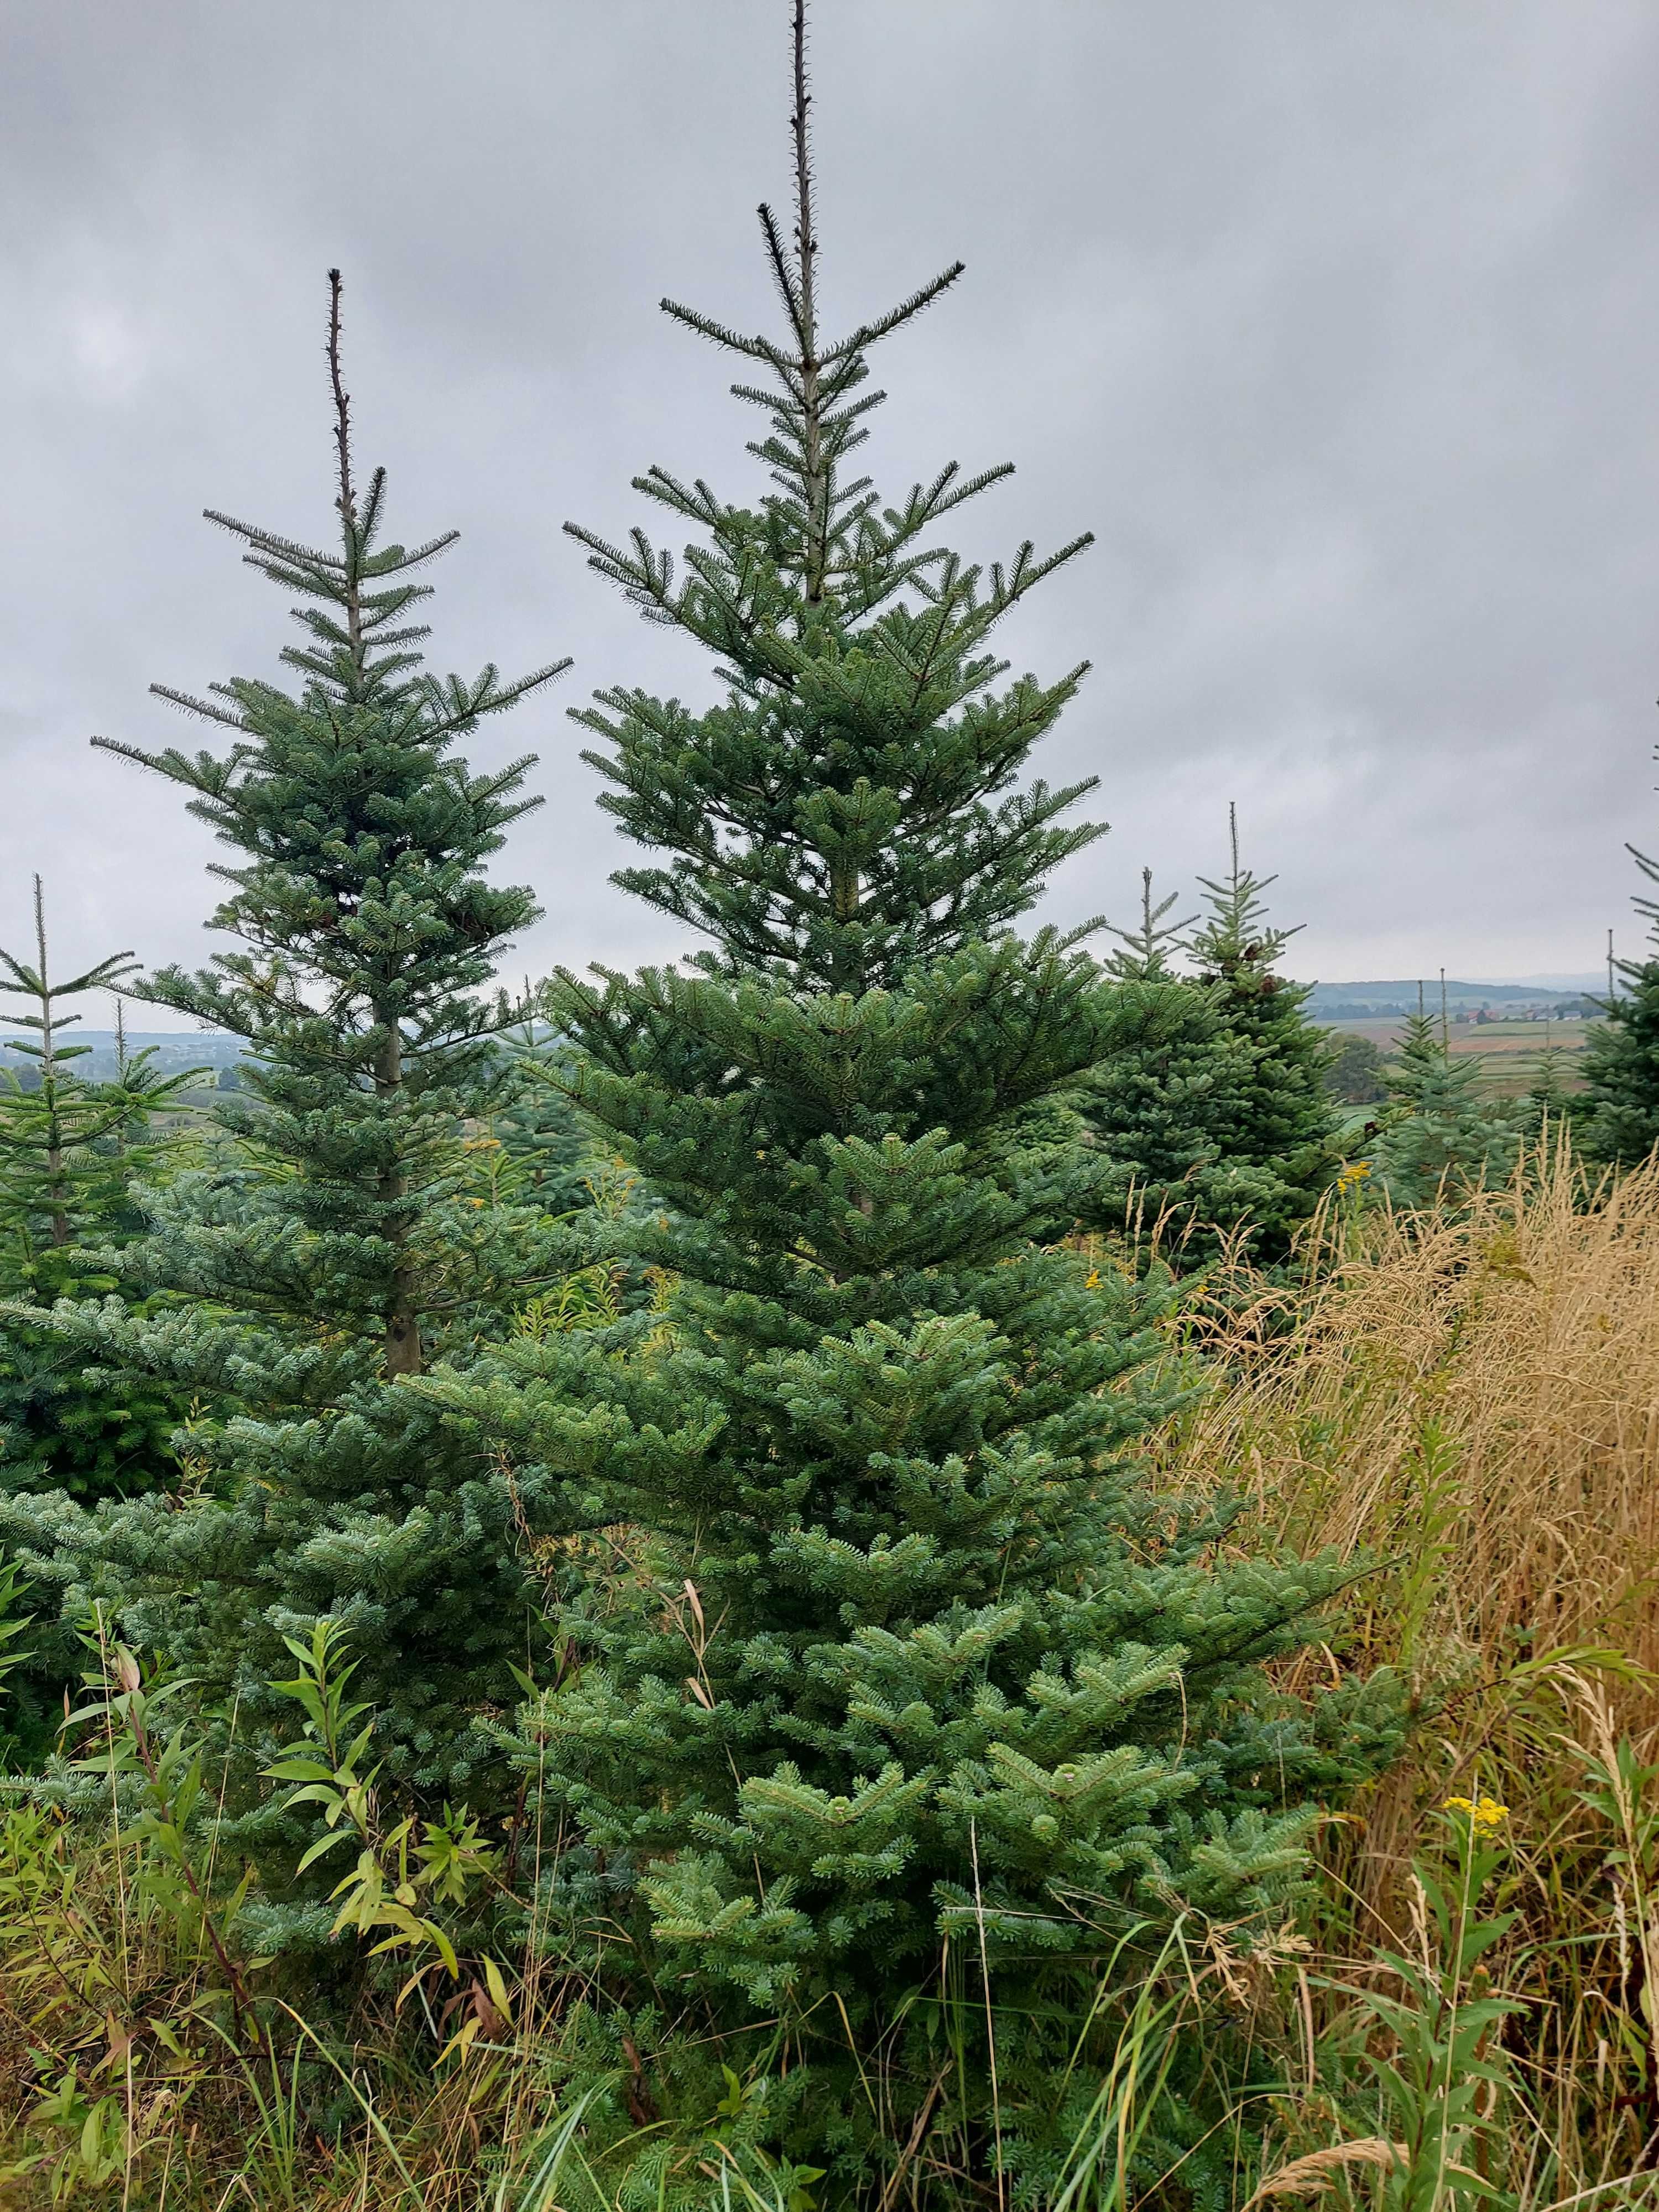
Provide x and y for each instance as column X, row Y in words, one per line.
column 1338, row 325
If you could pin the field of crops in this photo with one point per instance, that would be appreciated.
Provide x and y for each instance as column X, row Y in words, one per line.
column 1512, row 1049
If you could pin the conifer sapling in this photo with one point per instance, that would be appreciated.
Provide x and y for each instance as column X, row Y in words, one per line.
column 72, row 1150
column 1444, row 1138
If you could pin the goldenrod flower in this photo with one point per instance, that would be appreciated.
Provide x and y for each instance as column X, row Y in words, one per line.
column 1485, row 1813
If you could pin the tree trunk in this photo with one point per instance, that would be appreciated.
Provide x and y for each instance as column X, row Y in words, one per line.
column 403, row 1336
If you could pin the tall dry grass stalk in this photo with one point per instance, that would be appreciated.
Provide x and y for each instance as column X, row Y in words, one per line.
column 1474, row 1389
column 1467, row 1402
column 1467, row 1398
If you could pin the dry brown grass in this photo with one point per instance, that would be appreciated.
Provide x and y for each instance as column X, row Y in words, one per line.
column 1481, row 1385
column 1469, row 1398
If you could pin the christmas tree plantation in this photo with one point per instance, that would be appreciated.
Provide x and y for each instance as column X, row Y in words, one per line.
column 349, row 1223
column 905, row 1682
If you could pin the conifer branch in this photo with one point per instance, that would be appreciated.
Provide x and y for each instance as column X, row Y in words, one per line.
column 190, row 705
column 721, row 334
column 871, row 333
column 270, row 541
column 782, row 275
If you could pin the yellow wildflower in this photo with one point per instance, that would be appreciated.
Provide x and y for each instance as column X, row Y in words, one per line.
column 1485, row 1813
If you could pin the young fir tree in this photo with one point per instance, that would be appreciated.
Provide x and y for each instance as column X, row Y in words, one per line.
column 913, row 1667
column 70, row 1153
column 346, row 1234
column 1283, row 1124
column 1169, row 1116
column 1546, row 1114
column 1445, row 1140
column 1619, row 1120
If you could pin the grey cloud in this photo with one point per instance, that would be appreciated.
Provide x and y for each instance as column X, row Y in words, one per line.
column 1339, row 327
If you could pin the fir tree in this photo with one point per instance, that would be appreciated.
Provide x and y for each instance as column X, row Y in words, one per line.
column 1619, row 1122
column 66, row 1151
column 70, row 1151
column 1166, row 1112
column 1547, row 1111
column 910, row 1658
column 547, row 1153
column 1283, row 1125
column 1444, row 1138
column 1224, row 1136
column 347, row 1230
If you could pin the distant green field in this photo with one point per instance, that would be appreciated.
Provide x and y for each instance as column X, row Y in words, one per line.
column 1512, row 1050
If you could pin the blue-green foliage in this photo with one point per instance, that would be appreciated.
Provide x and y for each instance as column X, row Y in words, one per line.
column 909, row 1663
column 1551, row 1102
column 1619, row 1120
column 74, row 1153
column 1217, row 1131
column 344, row 1229
column 1166, row 1112
column 1444, row 1138
column 1282, row 1123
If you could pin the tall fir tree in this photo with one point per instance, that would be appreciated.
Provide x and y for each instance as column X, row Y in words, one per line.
column 1444, row 1138
column 347, row 1232
column 1619, row 1120
column 72, row 1150
column 909, row 1663
column 1172, row 1116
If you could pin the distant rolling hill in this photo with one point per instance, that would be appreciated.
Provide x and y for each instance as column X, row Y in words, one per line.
column 175, row 1050
column 1335, row 1002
